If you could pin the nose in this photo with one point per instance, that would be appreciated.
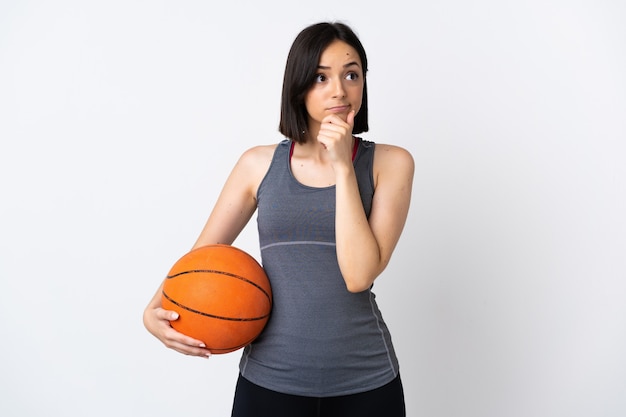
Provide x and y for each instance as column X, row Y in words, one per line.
column 338, row 89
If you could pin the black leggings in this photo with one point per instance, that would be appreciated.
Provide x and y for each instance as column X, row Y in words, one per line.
column 252, row 400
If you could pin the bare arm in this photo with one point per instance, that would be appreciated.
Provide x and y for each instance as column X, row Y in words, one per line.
column 237, row 201
column 364, row 247
column 232, row 211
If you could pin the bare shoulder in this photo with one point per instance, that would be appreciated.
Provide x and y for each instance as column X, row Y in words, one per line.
column 392, row 158
column 260, row 153
column 252, row 166
column 256, row 159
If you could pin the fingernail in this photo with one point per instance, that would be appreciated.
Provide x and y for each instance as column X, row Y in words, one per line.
column 174, row 316
column 202, row 345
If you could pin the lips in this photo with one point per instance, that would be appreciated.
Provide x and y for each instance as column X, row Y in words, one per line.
column 339, row 109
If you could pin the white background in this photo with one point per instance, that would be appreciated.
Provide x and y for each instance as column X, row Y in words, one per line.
column 119, row 121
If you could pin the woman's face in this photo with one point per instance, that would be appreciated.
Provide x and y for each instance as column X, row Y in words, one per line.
column 338, row 86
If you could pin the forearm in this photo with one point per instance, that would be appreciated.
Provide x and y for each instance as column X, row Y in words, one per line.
column 358, row 251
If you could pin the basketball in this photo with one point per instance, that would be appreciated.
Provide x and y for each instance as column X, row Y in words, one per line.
column 221, row 294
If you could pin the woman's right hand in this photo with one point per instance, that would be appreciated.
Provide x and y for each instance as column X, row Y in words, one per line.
column 157, row 321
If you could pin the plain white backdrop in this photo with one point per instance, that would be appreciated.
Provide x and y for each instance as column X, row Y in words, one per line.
column 120, row 120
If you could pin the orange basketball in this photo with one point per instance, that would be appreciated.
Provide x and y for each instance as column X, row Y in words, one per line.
column 222, row 295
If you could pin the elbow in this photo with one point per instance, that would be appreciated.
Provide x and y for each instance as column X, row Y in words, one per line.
column 358, row 285
column 359, row 281
column 357, row 288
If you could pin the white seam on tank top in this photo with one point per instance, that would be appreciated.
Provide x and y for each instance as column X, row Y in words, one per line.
column 298, row 242
column 382, row 334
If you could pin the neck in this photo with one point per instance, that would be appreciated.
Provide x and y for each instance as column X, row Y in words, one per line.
column 315, row 150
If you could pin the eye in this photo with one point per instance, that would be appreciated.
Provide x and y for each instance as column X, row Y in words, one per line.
column 352, row 76
column 320, row 78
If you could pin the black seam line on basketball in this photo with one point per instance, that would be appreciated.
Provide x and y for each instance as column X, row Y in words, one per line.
column 213, row 315
column 212, row 271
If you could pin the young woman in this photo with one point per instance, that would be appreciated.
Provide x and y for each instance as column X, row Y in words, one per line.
column 331, row 208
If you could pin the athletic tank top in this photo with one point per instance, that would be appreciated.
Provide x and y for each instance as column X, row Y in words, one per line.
column 321, row 340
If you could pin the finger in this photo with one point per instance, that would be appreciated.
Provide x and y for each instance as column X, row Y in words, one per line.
column 339, row 125
column 185, row 344
column 350, row 119
column 189, row 350
column 335, row 129
column 174, row 335
column 166, row 314
column 189, row 341
column 333, row 119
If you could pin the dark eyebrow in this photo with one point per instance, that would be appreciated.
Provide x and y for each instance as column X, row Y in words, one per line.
column 349, row 64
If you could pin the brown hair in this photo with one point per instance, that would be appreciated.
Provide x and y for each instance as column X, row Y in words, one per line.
column 300, row 72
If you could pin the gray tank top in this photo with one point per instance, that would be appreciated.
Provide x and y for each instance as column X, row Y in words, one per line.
column 321, row 340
